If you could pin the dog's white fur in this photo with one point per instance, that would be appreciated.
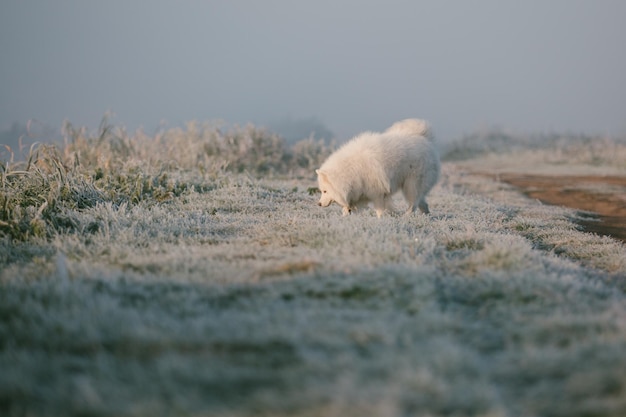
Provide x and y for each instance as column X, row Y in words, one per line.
column 373, row 166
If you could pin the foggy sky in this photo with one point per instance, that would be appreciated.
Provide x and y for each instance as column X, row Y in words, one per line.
column 530, row 66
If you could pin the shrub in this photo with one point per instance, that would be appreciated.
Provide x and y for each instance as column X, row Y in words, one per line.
column 39, row 195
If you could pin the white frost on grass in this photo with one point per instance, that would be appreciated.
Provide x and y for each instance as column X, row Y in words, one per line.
column 246, row 298
column 540, row 155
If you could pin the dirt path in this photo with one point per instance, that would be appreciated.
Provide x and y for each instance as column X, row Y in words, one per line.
column 605, row 196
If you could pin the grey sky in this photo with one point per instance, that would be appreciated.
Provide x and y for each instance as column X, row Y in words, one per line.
column 531, row 65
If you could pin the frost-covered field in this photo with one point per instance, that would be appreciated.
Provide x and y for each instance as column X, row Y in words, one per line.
column 192, row 273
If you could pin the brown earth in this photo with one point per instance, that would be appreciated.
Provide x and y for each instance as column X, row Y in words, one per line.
column 603, row 196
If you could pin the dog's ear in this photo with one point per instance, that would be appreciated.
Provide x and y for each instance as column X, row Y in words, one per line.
column 321, row 173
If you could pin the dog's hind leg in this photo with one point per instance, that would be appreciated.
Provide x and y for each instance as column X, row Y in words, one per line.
column 409, row 190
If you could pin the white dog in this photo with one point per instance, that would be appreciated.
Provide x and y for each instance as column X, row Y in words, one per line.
column 373, row 166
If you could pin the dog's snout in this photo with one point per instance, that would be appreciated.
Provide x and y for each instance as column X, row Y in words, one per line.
column 319, row 204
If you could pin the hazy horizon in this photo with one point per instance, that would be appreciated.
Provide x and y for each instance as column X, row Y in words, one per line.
column 352, row 66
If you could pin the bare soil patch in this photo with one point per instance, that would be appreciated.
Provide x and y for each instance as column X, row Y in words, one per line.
column 604, row 197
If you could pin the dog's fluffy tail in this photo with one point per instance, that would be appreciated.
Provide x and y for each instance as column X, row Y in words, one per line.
column 411, row 127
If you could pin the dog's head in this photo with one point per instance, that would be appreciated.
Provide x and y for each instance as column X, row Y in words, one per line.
column 326, row 188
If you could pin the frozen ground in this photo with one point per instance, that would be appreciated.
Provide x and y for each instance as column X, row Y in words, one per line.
column 236, row 295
